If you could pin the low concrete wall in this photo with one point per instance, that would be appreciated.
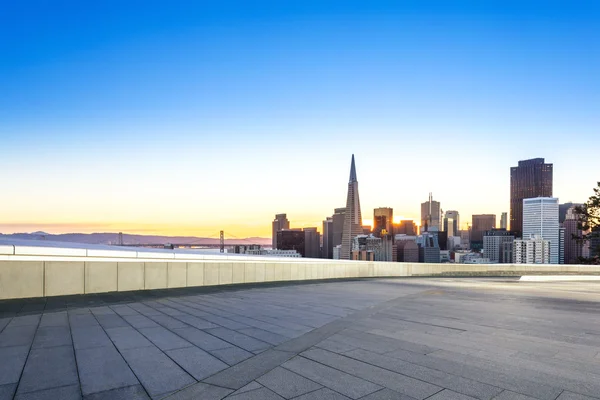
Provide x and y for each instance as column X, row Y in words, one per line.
column 24, row 276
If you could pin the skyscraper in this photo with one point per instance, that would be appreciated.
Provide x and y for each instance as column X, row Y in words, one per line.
column 452, row 223
column 338, row 217
column 493, row 242
column 573, row 250
column 540, row 219
column 327, row 238
column 430, row 215
column 504, row 221
column 352, row 217
column 406, row 227
column 312, row 243
column 382, row 219
column 531, row 178
column 480, row 224
column 279, row 223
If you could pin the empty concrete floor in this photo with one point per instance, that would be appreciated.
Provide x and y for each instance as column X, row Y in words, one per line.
column 438, row 339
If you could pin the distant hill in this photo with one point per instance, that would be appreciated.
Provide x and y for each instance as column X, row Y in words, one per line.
column 112, row 238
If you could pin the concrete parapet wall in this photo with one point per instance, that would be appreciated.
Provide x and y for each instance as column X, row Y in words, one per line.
column 32, row 275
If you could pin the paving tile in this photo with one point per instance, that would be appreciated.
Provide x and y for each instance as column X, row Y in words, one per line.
column 574, row 396
column 136, row 392
column 25, row 320
column 70, row 392
column 7, row 391
column 335, row 346
column 196, row 362
column 231, row 355
column 249, row 370
column 3, row 323
column 341, row 382
column 82, row 319
column 51, row 336
column 167, row 322
column 251, row 386
column 101, row 369
column 108, row 321
column 55, row 319
column 201, row 339
column 239, row 339
column 323, row 394
column 164, row 339
column 89, row 336
column 140, row 321
column 17, row 336
column 224, row 322
column 286, row 383
column 158, row 373
column 265, row 336
column 450, row 395
column 196, row 322
column 392, row 380
column 459, row 384
column 258, row 394
column 127, row 338
column 12, row 360
column 47, row 368
column 387, row 394
column 200, row 391
column 124, row 310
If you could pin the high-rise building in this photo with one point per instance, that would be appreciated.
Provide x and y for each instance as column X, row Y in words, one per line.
column 465, row 239
column 327, row 251
column 352, row 218
column 561, row 245
column 312, row 243
column 573, row 249
column 431, row 215
column 407, row 251
column 339, row 214
column 504, row 221
column 429, row 249
column 563, row 209
column 452, row 223
column 531, row 178
column 279, row 223
column 493, row 242
column 291, row 239
column 540, row 219
column 383, row 218
column 406, row 227
column 534, row 250
column 479, row 225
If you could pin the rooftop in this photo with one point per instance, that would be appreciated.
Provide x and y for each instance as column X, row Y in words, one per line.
column 373, row 339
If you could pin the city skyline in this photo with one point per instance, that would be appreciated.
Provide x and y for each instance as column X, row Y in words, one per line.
column 191, row 118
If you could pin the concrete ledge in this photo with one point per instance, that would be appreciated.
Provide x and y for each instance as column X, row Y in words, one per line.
column 37, row 276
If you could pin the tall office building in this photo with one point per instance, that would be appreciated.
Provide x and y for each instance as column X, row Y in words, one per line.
column 431, row 215
column 407, row 251
column 493, row 242
column 327, row 251
column 339, row 215
column 480, row 224
column 452, row 223
column 312, row 243
column 406, row 227
column 563, row 209
column 279, row 223
column 531, row 178
column 540, row 219
column 291, row 239
column 573, row 250
column 383, row 218
column 504, row 221
column 352, row 217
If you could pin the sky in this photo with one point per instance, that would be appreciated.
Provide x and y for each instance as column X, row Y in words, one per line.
column 190, row 117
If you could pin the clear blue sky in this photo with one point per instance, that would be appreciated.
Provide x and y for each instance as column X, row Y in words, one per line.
column 190, row 116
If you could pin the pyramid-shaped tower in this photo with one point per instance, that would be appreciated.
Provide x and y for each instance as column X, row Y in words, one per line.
column 353, row 217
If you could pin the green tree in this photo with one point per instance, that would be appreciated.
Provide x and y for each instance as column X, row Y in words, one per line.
column 588, row 221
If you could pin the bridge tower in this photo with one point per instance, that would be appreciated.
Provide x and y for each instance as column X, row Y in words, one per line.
column 222, row 242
